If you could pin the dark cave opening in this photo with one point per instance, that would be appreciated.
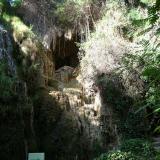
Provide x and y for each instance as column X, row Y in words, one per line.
column 66, row 52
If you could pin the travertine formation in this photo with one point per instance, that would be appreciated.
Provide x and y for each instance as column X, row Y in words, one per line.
column 93, row 118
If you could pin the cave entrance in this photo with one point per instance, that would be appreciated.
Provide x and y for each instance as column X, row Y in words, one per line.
column 66, row 53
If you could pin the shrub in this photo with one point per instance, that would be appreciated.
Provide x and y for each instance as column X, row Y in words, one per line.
column 139, row 147
column 132, row 149
column 102, row 51
column 117, row 155
column 77, row 13
column 157, row 156
column 134, row 125
column 68, row 12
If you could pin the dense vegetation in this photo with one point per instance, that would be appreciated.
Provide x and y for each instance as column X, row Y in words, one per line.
column 138, row 24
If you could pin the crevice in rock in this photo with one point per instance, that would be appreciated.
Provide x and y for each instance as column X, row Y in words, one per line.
column 66, row 52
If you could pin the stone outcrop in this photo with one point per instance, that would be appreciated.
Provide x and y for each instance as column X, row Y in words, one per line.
column 92, row 118
column 40, row 15
column 48, row 66
column 85, row 121
column 35, row 62
column 64, row 74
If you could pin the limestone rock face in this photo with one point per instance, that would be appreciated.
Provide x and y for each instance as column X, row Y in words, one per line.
column 95, row 114
column 40, row 15
column 15, row 109
column 6, row 49
column 84, row 119
column 37, row 62
column 91, row 119
column 48, row 66
column 64, row 74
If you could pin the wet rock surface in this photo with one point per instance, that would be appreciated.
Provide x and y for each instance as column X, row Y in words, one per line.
column 6, row 49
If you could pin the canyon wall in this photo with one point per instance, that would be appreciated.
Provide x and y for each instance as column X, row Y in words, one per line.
column 56, row 114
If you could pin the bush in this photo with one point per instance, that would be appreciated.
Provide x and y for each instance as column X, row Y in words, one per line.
column 117, row 155
column 157, row 156
column 101, row 54
column 139, row 147
column 132, row 149
column 77, row 13
column 134, row 126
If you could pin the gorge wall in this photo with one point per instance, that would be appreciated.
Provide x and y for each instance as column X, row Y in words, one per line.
column 53, row 113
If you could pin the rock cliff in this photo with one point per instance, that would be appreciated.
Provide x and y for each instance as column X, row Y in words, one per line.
column 59, row 117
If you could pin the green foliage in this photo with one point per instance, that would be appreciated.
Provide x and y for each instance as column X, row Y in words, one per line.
column 2, row 3
column 15, row 3
column 147, row 1
column 142, row 149
column 72, row 13
column 134, row 125
column 3, row 6
column 117, row 155
column 151, row 75
column 142, row 21
column 135, row 14
column 132, row 149
column 8, row 5
column 157, row 156
column 69, row 12
column 145, row 30
column 8, row 8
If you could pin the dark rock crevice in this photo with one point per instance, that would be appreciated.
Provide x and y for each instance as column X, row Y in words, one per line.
column 66, row 52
